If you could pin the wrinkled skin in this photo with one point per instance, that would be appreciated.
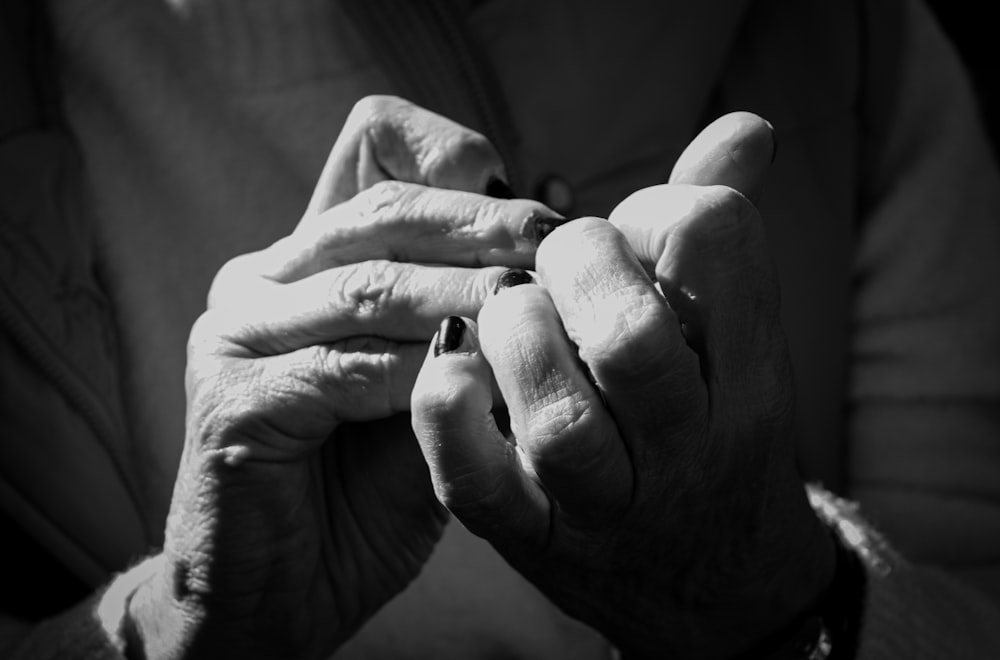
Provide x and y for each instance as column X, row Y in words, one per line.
column 650, row 489
column 302, row 502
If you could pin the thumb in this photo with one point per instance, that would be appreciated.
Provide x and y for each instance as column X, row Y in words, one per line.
column 735, row 150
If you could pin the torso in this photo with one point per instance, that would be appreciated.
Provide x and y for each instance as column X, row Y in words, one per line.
column 219, row 155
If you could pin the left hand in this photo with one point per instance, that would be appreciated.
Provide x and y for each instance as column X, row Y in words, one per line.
column 662, row 506
column 302, row 502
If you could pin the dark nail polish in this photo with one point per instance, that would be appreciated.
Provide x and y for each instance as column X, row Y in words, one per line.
column 774, row 141
column 449, row 335
column 513, row 277
column 545, row 226
column 497, row 187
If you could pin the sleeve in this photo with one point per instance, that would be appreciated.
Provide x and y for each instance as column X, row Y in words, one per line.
column 63, row 431
column 924, row 429
column 98, row 628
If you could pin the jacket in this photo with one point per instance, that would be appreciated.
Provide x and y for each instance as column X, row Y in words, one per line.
column 866, row 210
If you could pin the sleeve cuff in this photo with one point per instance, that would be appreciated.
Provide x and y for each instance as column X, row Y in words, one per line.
column 95, row 629
column 906, row 610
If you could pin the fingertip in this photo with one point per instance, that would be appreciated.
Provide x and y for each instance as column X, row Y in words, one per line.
column 530, row 222
column 735, row 150
column 454, row 157
column 474, row 469
column 456, row 335
column 454, row 379
column 512, row 277
column 538, row 227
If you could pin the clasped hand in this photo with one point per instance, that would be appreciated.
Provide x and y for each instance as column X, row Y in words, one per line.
column 648, row 486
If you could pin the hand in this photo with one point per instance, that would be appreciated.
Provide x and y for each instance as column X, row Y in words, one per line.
column 650, row 488
column 289, row 528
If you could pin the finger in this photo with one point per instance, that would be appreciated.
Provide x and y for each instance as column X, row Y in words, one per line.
column 386, row 137
column 559, row 420
column 626, row 333
column 650, row 218
column 477, row 473
column 409, row 222
column 717, row 272
column 656, row 221
column 735, row 150
column 707, row 248
column 397, row 301
column 284, row 406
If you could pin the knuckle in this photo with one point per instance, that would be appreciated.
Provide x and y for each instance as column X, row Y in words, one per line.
column 372, row 110
column 554, row 427
column 205, row 333
column 486, row 221
column 580, row 234
column 633, row 339
column 384, row 203
column 366, row 291
column 730, row 232
column 480, row 495
column 358, row 373
column 229, row 279
column 438, row 407
column 468, row 141
column 723, row 214
column 462, row 148
column 648, row 202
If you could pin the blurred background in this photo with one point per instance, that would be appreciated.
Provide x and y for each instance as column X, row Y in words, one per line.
column 976, row 39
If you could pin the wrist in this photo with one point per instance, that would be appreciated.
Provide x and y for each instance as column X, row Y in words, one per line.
column 830, row 630
column 769, row 612
column 783, row 608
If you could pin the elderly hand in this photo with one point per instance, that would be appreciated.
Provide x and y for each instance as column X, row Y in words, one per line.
column 650, row 488
column 289, row 528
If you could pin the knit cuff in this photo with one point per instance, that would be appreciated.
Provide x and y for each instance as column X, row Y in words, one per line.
column 908, row 611
column 95, row 629
column 919, row 613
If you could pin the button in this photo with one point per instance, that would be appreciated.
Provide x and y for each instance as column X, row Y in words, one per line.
column 556, row 193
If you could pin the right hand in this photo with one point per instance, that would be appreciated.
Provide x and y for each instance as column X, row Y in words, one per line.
column 649, row 488
column 289, row 528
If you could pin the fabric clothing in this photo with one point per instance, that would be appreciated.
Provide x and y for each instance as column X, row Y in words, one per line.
column 191, row 132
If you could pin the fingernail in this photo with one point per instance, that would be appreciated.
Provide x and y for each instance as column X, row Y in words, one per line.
column 497, row 187
column 449, row 335
column 545, row 226
column 774, row 141
column 513, row 277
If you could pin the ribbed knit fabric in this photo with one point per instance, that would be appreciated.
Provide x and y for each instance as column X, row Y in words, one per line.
column 203, row 126
column 919, row 613
column 95, row 628
column 76, row 634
